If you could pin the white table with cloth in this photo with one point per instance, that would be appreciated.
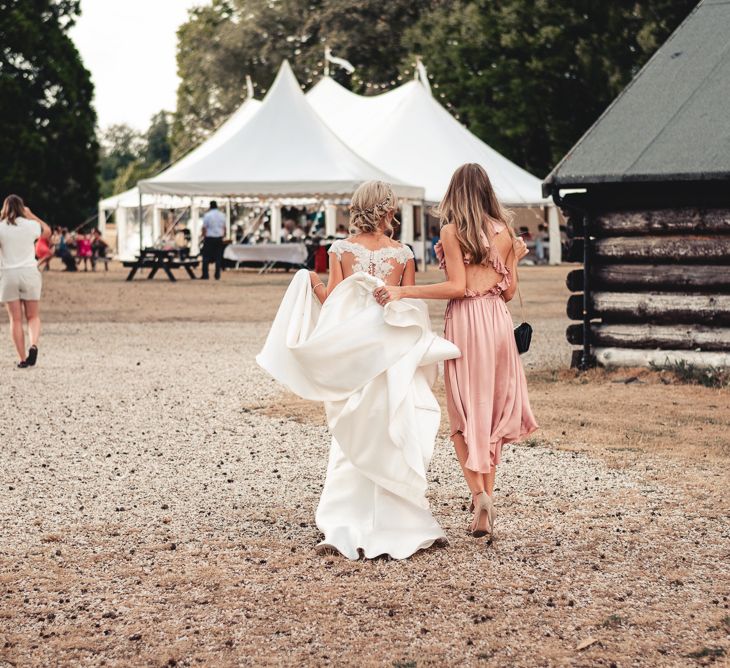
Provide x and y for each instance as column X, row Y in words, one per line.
column 267, row 255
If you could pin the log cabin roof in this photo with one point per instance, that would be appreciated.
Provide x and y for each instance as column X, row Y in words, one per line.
column 672, row 122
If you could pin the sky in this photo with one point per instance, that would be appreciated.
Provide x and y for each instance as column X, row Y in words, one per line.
column 129, row 48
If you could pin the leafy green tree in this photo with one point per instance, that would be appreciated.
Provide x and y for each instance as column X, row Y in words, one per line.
column 223, row 42
column 157, row 140
column 120, row 146
column 135, row 171
column 48, row 147
column 530, row 77
column 127, row 155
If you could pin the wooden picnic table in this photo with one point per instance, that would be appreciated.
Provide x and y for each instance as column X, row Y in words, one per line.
column 159, row 258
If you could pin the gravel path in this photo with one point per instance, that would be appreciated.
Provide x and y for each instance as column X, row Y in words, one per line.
column 151, row 517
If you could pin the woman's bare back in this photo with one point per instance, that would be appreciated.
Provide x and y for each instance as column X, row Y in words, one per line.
column 482, row 278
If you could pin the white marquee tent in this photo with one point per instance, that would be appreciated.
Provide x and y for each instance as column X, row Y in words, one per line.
column 419, row 140
column 323, row 146
column 408, row 132
column 283, row 150
column 128, row 238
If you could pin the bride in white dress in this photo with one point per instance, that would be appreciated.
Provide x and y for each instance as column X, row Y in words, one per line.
column 373, row 368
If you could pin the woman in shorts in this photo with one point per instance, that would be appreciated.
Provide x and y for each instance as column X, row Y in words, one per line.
column 20, row 280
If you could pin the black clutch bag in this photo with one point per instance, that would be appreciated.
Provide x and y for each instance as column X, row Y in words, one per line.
column 523, row 332
column 523, row 336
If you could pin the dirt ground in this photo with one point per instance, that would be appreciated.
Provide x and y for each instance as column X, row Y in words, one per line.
column 157, row 502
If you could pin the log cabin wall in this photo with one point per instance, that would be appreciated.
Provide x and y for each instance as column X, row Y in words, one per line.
column 658, row 286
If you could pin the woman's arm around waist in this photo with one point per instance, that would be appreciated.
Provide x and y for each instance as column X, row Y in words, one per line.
column 452, row 288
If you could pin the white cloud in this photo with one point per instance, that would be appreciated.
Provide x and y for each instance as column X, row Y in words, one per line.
column 129, row 48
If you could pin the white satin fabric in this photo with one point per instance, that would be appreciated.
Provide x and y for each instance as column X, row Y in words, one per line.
column 373, row 368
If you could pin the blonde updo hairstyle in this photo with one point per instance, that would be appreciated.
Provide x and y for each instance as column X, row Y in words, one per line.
column 371, row 205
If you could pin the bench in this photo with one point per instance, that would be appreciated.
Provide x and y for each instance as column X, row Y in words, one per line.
column 155, row 259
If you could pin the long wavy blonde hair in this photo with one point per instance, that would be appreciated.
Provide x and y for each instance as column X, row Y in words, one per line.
column 370, row 206
column 469, row 203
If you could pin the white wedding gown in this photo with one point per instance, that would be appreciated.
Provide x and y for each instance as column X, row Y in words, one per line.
column 373, row 368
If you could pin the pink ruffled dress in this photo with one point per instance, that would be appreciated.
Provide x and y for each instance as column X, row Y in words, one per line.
column 486, row 388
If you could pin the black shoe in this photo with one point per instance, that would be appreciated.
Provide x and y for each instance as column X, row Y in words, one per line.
column 32, row 356
column 23, row 365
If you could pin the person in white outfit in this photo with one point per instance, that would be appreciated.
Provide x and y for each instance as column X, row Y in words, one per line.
column 374, row 369
column 20, row 280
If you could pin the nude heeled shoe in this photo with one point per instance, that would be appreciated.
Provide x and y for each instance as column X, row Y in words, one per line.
column 483, row 504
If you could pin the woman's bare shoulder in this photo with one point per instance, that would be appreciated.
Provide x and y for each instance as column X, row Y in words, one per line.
column 448, row 231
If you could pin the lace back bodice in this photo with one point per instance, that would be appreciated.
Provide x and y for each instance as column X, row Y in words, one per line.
column 380, row 262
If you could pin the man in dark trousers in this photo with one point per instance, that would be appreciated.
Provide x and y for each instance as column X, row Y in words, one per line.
column 214, row 231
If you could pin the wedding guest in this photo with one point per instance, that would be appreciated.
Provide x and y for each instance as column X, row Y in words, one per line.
column 486, row 389
column 63, row 251
column 98, row 249
column 434, row 241
column 20, row 280
column 43, row 253
column 214, row 231
column 182, row 241
column 83, row 250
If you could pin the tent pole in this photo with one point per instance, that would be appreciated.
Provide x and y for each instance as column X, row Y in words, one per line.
column 554, row 243
column 275, row 224
column 141, row 222
column 407, row 231
column 330, row 219
column 101, row 220
column 120, row 223
column 194, row 229
column 228, row 218
column 424, row 240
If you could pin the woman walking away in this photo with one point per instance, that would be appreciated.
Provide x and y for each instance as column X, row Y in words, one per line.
column 486, row 390
column 20, row 280
column 373, row 368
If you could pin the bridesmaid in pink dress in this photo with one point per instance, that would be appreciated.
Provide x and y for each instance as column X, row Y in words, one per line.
column 486, row 389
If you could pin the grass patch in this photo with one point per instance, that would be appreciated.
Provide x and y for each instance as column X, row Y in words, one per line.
column 684, row 372
column 707, row 653
column 613, row 622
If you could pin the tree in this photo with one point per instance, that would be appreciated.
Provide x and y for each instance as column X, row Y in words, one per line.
column 120, row 145
column 157, row 140
column 530, row 77
column 48, row 147
column 223, row 42
column 127, row 156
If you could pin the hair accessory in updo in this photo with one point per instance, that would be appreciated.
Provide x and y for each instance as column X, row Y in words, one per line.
column 371, row 203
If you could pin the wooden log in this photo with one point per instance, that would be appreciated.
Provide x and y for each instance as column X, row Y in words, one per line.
column 691, row 249
column 669, row 277
column 661, row 221
column 660, row 358
column 573, row 250
column 574, row 225
column 672, row 337
column 574, row 280
column 682, row 249
column 659, row 308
